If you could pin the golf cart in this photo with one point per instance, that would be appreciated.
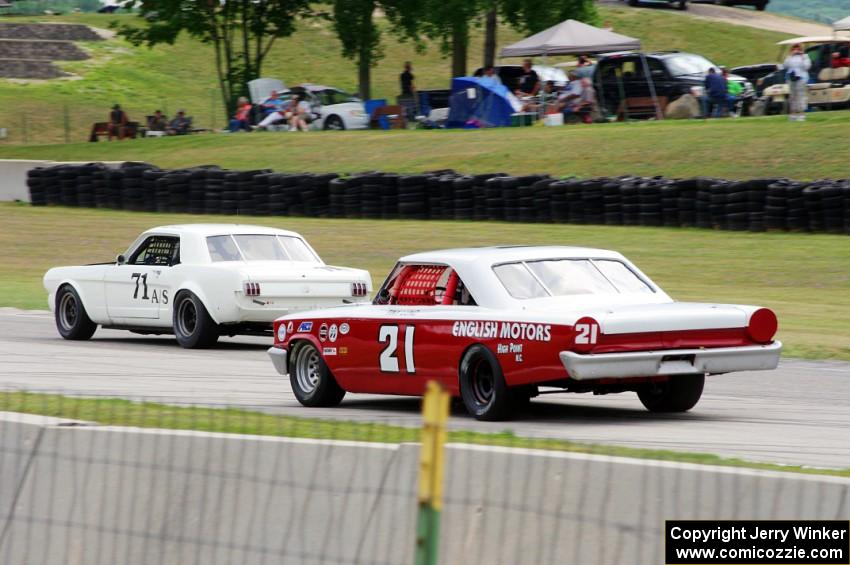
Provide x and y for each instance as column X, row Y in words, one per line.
column 828, row 88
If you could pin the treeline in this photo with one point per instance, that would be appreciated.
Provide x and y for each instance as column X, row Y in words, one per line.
column 240, row 33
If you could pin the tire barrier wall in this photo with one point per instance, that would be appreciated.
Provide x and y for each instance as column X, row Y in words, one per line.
column 105, row 495
column 774, row 204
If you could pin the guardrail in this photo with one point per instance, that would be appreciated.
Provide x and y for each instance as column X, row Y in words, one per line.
column 754, row 205
column 77, row 492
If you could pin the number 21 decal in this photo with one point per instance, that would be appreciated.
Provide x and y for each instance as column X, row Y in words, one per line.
column 389, row 358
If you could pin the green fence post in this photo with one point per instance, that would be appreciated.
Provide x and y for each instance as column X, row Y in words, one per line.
column 435, row 414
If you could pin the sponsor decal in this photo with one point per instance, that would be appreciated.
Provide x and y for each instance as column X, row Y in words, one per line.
column 329, row 351
column 305, row 327
column 323, row 332
column 344, row 328
column 343, row 351
column 332, row 332
column 514, row 349
column 503, row 330
column 289, row 327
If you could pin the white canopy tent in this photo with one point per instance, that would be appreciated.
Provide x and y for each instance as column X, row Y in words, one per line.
column 570, row 37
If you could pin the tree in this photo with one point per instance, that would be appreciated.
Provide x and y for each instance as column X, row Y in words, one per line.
column 241, row 33
column 354, row 23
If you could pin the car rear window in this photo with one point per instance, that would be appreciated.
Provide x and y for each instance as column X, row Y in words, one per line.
column 569, row 277
column 259, row 247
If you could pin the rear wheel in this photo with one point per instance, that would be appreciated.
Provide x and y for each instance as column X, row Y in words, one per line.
column 71, row 318
column 311, row 380
column 482, row 386
column 761, row 6
column 682, row 5
column 679, row 394
column 633, row 2
column 192, row 324
column 334, row 123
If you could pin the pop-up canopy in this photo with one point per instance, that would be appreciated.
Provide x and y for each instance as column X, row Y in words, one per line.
column 842, row 25
column 570, row 38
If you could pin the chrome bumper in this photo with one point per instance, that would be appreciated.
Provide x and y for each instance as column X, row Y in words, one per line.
column 671, row 362
column 278, row 357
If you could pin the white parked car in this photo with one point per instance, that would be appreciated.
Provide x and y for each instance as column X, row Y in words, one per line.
column 200, row 281
column 335, row 109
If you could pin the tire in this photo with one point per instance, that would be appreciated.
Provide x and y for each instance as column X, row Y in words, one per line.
column 312, row 382
column 192, row 324
column 682, row 5
column 482, row 386
column 633, row 2
column 679, row 394
column 761, row 6
column 333, row 122
column 72, row 321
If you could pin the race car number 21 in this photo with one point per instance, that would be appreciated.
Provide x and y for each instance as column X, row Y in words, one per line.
column 389, row 357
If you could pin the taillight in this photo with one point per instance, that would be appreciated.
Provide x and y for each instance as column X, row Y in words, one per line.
column 252, row 289
column 762, row 326
column 359, row 289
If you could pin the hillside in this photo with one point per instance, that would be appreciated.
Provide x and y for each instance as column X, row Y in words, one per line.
column 181, row 75
column 826, row 11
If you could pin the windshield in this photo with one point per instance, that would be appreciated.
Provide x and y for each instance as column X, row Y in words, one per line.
column 259, row 248
column 569, row 277
column 688, row 65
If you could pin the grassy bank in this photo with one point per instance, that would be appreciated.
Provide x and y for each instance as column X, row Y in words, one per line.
column 118, row 412
column 742, row 148
column 183, row 76
column 803, row 277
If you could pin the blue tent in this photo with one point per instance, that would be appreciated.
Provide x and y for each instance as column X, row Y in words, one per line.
column 473, row 101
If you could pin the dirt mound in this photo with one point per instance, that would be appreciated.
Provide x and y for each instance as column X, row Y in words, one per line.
column 56, row 32
column 41, row 50
column 30, row 69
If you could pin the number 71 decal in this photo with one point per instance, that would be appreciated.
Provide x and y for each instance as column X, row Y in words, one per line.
column 389, row 358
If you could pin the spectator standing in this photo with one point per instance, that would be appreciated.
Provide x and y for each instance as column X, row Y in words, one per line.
column 180, row 124
column 716, row 94
column 529, row 82
column 242, row 118
column 117, row 123
column 734, row 89
column 797, row 65
column 584, row 66
column 490, row 78
column 407, row 98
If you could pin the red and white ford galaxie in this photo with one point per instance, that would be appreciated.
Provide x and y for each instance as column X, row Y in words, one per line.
column 496, row 324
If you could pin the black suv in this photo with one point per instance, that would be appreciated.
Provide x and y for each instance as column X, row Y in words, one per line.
column 680, row 4
column 672, row 74
column 759, row 5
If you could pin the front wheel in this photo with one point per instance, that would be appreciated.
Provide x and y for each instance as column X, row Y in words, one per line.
column 192, row 324
column 679, row 394
column 312, row 381
column 71, row 319
column 682, row 5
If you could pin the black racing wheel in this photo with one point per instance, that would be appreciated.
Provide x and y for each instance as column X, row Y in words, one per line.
column 72, row 321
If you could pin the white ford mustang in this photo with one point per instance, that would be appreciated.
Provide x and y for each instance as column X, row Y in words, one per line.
column 200, row 281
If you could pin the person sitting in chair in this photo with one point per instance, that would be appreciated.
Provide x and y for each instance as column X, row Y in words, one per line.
column 180, row 124
column 117, row 123
column 157, row 122
column 579, row 99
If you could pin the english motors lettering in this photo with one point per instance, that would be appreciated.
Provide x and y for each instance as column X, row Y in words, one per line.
column 503, row 330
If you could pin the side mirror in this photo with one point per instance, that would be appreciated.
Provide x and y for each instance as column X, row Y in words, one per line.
column 120, row 260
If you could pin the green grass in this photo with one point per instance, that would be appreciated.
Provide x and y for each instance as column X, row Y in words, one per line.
column 803, row 277
column 182, row 75
column 117, row 412
column 742, row 148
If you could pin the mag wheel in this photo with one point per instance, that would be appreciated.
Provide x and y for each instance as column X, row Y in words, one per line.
column 192, row 324
column 334, row 123
column 679, row 394
column 71, row 318
column 482, row 385
column 311, row 380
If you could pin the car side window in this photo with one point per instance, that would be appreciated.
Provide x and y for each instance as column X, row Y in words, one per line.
column 160, row 250
column 425, row 285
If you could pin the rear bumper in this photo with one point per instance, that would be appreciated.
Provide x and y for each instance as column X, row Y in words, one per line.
column 671, row 362
column 278, row 357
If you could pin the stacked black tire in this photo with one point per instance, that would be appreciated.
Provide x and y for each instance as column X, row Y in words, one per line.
column 767, row 204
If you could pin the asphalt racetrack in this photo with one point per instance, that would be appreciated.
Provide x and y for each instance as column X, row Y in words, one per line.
column 798, row 414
